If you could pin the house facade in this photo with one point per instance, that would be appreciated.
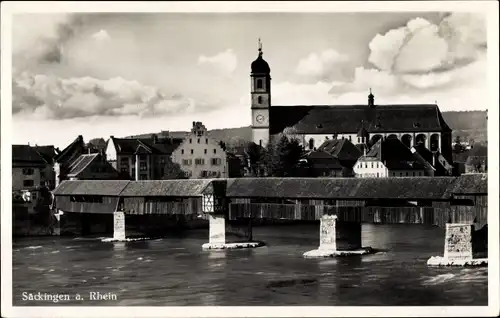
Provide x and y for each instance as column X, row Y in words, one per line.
column 391, row 158
column 201, row 156
column 32, row 167
column 141, row 158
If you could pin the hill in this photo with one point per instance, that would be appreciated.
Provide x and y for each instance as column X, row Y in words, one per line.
column 466, row 124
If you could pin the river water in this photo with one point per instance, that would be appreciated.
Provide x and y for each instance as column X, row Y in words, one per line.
column 175, row 271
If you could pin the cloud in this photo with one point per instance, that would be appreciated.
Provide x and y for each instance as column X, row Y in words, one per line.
column 421, row 46
column 325, row 66
column 101, row 35
column 50, row 97
column 224, row 62
column 41, row 38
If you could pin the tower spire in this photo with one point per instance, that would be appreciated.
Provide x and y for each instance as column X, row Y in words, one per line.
column 260, row 47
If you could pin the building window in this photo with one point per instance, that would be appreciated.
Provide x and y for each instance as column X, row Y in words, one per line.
column 182, row 151
column 28, row 171
column 260, row 142
column 124, row 169
column 400, row 174
column 28, row 183
column 192, row 151
column 215, row 151
column 206, row 141
column 143, row 166
column 42, row 183
column 190, row 140
column 186, row 162
column 377, row 174
column 419, row 173
column 162, row 160
column 259, row 100
column 198, row 140
column 311, row 144
column 199, row 161
column 205, row 151
column 394, row 174
column 216, row 161
column 350, row 139
column 42, row 174
column 372, row 164
column 259, row 83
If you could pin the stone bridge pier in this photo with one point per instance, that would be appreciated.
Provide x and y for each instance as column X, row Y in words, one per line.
column 338, row 238
column 119, row 226
column 463, row 246
column 222, row 235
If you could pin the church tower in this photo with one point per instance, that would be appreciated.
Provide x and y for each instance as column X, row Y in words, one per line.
column 261, row 99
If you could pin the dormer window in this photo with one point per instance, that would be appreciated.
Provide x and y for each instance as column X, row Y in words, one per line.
column 311, row 144
column 378, row 125
column 319, row 126
column 416, row 124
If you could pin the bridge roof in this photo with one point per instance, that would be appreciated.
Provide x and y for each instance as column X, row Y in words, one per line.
column 91, row 187
column 467, row 184
column 169, row 188
column 342, row 188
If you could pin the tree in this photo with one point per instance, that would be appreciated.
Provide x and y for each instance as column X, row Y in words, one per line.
column 255, row 155
column 173, row 170
column 458, row 148
column 282, row 158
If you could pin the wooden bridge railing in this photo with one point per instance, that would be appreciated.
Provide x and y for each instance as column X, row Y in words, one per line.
column 389, row 215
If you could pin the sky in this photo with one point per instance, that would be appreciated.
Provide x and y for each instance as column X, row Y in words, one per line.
column 121, row 74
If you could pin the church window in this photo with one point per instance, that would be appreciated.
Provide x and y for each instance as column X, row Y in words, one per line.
column 311, row 144
column 190, row 140
column 377, row 174
column 260, row 142
column 259, row 83
column 350, row 138
column 259, row 100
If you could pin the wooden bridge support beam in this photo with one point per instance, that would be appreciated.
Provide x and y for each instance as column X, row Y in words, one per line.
column 338, row 239
column 461, row 247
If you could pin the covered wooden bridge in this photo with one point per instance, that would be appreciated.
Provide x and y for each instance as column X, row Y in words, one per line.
column 131, row 197
column 432, row 200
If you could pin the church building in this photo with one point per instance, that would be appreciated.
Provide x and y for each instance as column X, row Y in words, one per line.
column 362, row 124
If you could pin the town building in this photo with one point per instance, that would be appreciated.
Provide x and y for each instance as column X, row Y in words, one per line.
column 318, row 163
column 92, row 166
column 391, row 158
column 64, row 159
column 343, row 150
column 201, row 156
column 360, row 124
column 141, row 159
column 32, row 167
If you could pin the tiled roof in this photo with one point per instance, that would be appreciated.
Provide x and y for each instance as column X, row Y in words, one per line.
column 331, row 119
column 322, row 158
column 66, row 153
column 395, row 155
column 173, row 188
column 47, row 152
column 342, row 149
column 81, row 163
column 26, row 155
column 341, row 188
column 473, row 183
column 163, row 146
column 91, row 187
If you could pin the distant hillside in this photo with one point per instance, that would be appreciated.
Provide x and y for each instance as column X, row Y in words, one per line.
column 466, row 124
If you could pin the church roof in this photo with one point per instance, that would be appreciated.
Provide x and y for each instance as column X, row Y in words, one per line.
column 331, row 119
